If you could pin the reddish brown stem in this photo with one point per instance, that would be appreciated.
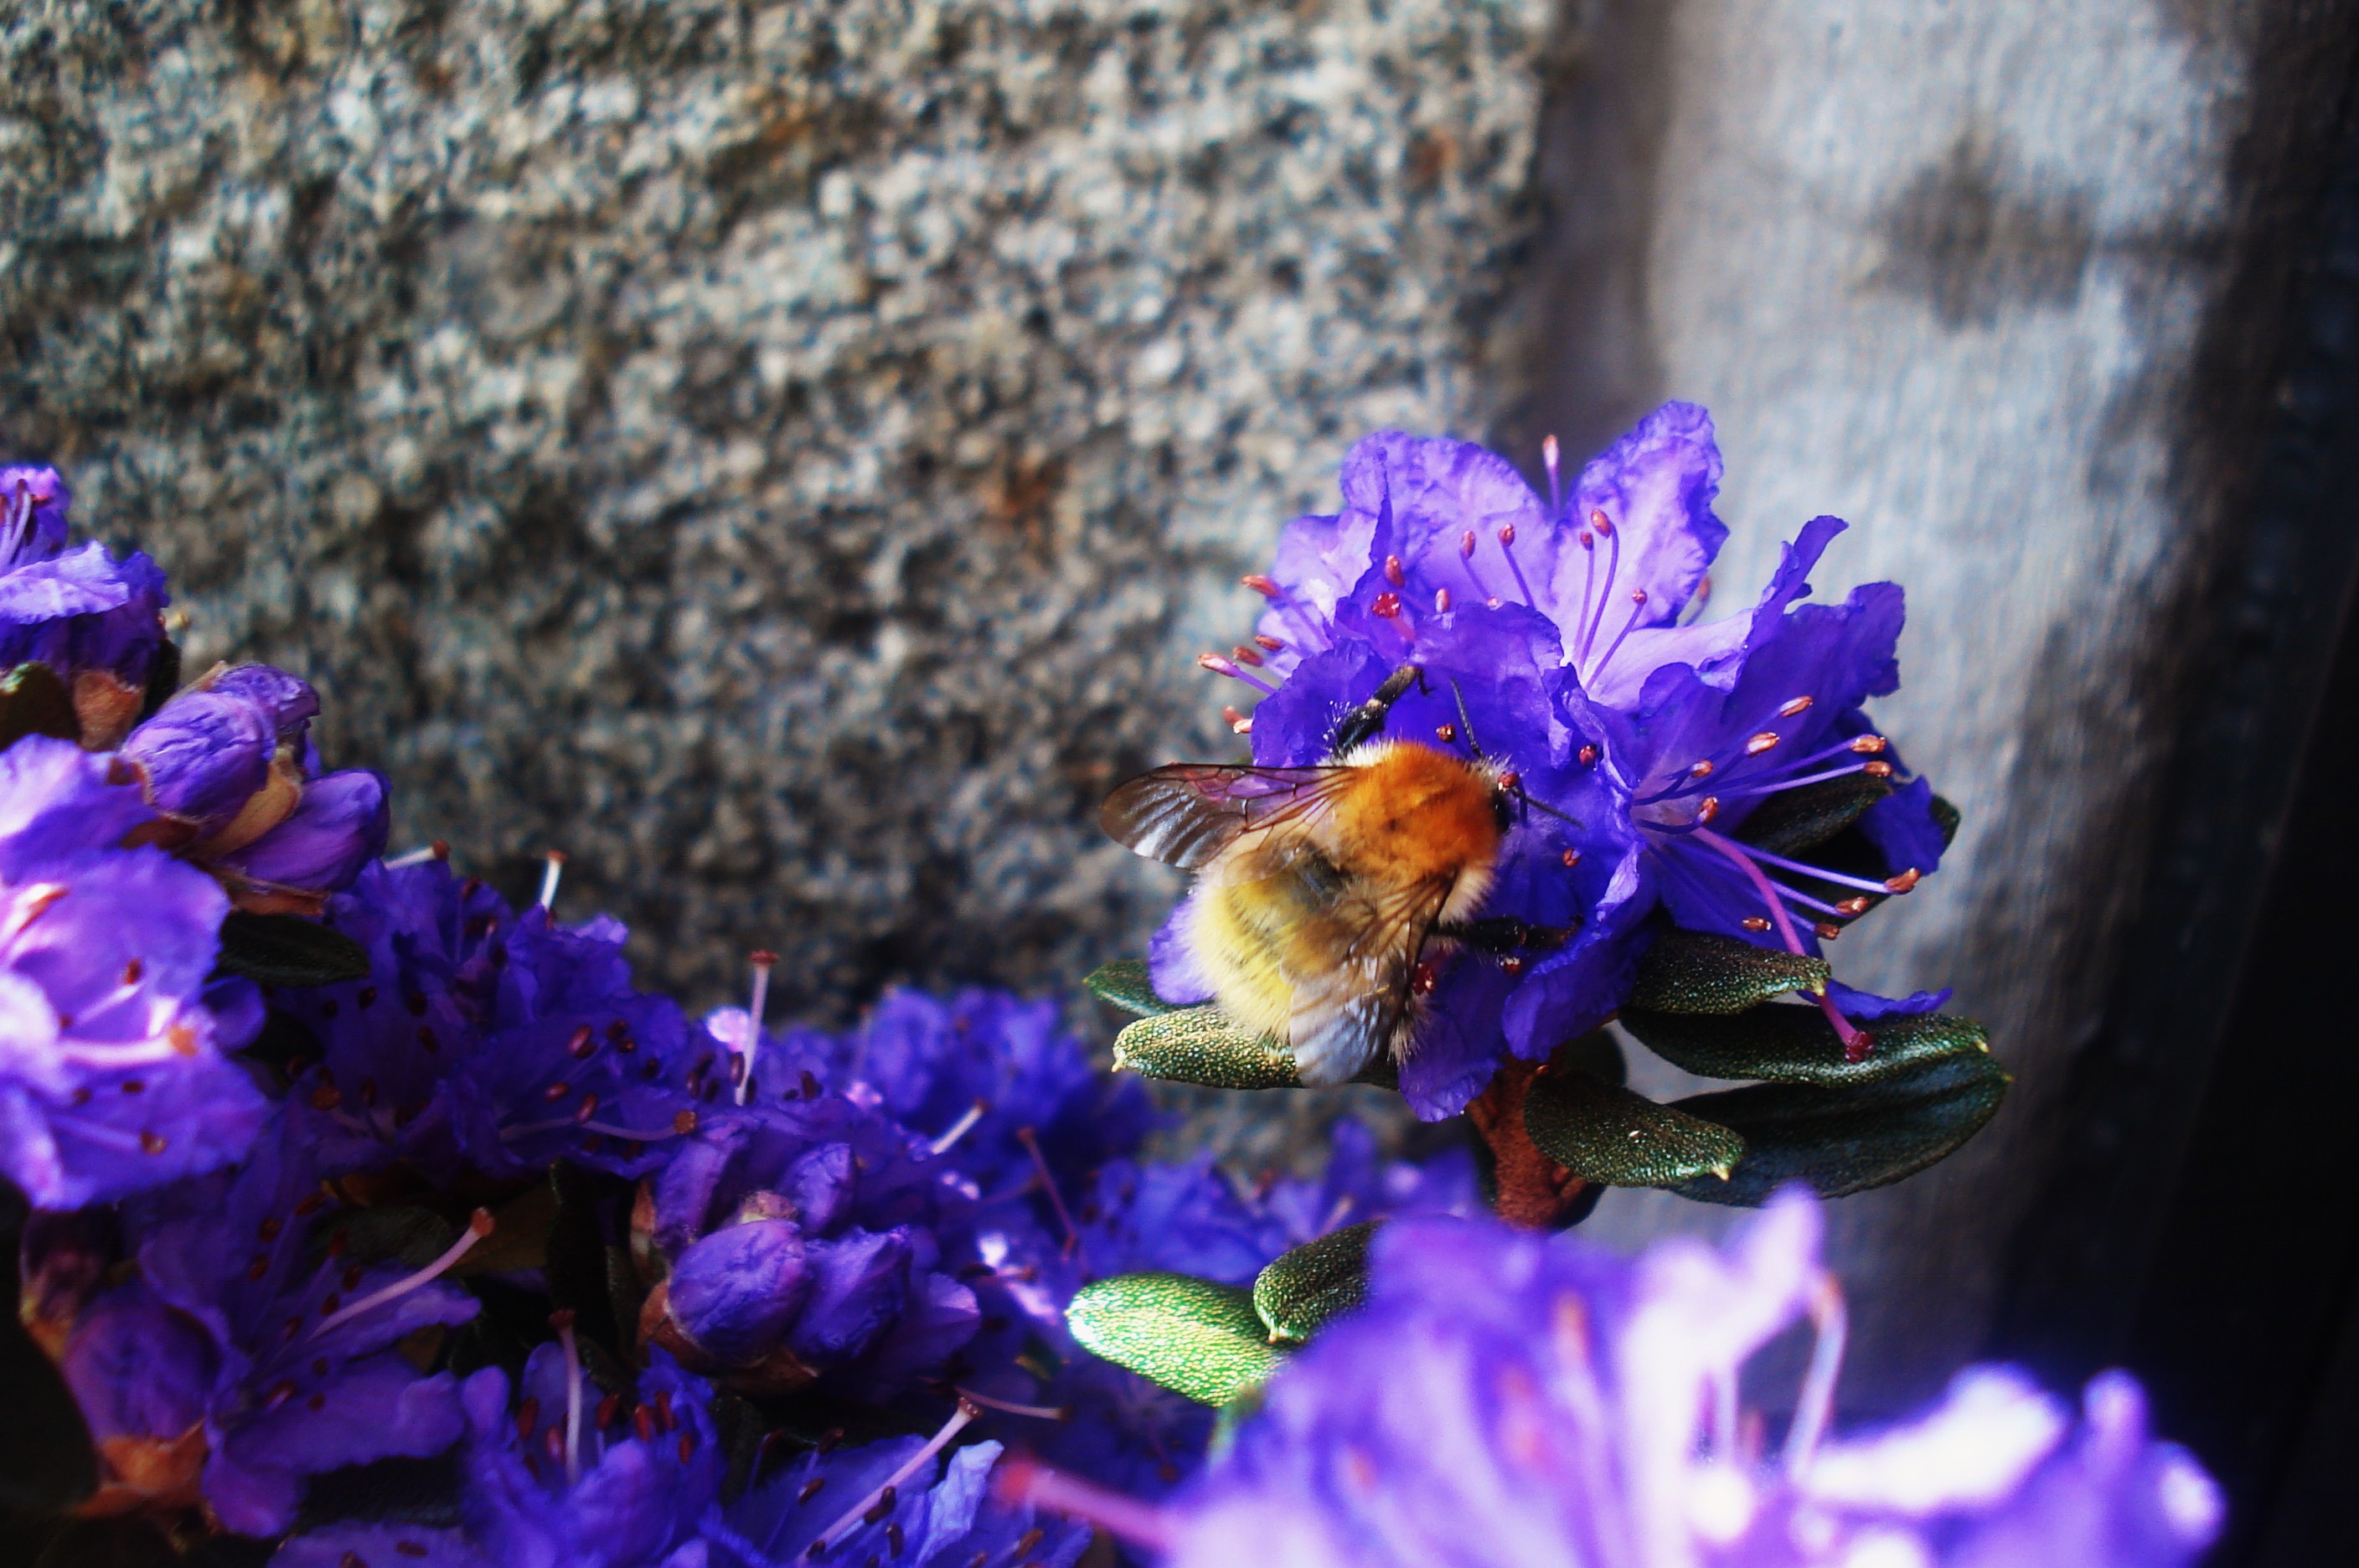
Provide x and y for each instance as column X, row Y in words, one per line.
column 1535, row 1191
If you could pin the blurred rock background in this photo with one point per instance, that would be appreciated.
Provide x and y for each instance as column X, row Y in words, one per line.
column 785, row 454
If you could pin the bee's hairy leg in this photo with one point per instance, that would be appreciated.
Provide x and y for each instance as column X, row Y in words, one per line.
column 1364, row 722
column 1502, row 934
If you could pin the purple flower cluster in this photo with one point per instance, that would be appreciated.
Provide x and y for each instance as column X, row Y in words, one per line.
column 1583, row 1408
column 240, row 1357
column 96, row 621
column 1554, row 637
column 487, row 1042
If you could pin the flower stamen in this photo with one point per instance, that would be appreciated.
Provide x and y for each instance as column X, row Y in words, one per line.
column 479, row 1225
column 858, row 1511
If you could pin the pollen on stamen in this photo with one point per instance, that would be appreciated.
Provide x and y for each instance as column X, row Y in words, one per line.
column 1637, row 595
column 1878, row 770
column 1602, row 523
column 1260, row 585
column 1445, row 733
column 1853, row 906
column 1760, row 743
column 1586, row 539
column 1442, row 600
column 1795, row 706
column 1269, row 644
column 1905, row 881
column 1828, row 931
column 1868, row 745
column 1707, row 809
column 1466, row 544
column 1386, row 605
column 1237, row 721
column 1572, row 857
column 1588, row 756
column 1244, row 654
column 1393, row 572
column 1756, row 923
column 151, row 1142
column 1701, row 770
column 1507, row 533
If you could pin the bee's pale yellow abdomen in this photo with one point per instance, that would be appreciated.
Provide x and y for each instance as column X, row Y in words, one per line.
column 1292, row 905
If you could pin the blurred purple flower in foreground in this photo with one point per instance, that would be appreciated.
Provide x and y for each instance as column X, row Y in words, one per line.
column 112, row 1077
column 1510, row 1399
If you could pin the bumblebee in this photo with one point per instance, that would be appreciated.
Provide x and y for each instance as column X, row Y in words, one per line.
column 1318, row 889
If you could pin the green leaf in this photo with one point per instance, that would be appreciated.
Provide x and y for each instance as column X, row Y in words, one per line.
column 1696, row 972
column 46, row 1463
column 1192, row 1336
column 1947, row 818
column 1314, row 1283
column 33, row 701
column 1847, row 1141
column 1608, row 1135
column 1794, row 819
column 287, row 950
column 163, row 680
column 1124, row 984
column 1797, row 1045
column 1198, row 1045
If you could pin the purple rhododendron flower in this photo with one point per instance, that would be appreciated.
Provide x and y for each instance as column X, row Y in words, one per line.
column 112, row 1077
column 1506, row 1398
column 1554, row 633
column 237, row 1360
column 96, row 621
column 486, row 1042
column 808, row 1241
column 890, row 1502
column 229, row 763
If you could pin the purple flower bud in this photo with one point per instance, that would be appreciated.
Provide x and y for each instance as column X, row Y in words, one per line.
column 339, row 826
column 204, row 755
column 859, row 1282
column 288, row 701
column 735, row 1292
column 820, row 1185
column 33, row 504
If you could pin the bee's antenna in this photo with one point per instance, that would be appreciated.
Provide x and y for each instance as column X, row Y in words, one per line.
column 1465, row 724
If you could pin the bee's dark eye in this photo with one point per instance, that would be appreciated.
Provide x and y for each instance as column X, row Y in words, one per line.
column 1501, row 812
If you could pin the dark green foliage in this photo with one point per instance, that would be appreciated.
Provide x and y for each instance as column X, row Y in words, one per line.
column 1302, row 1290
column 1605, row 1134
column 33, row 701
column 163, row 680
column 1797, row 1045
column 1695, row 971
column 391, row 1491
column 1795, row 819
column 1843, row 1141
column 287, row 950
column 45, row 1462
column 1124, row 984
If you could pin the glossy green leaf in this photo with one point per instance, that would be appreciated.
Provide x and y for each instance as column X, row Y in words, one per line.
column 1697, row 972
column 1198, row 1045
column 33, row 701
column 1843, row 1141
column 1794, row 819
column 1124, row 984
column 1191, row 1336
column 1314, row 1283
column 287, row 950
column 1797, row 1045
column 1605, row 1134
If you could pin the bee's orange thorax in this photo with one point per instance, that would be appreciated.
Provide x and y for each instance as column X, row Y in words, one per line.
column 1411, row 814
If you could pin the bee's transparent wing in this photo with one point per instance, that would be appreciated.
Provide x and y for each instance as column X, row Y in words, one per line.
column 1345, row 1014
column 1184, row 814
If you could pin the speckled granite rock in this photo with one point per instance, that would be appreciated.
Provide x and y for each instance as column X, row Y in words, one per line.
column 782, row 453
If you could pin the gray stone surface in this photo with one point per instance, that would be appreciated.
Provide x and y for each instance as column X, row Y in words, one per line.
column 783, row 454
